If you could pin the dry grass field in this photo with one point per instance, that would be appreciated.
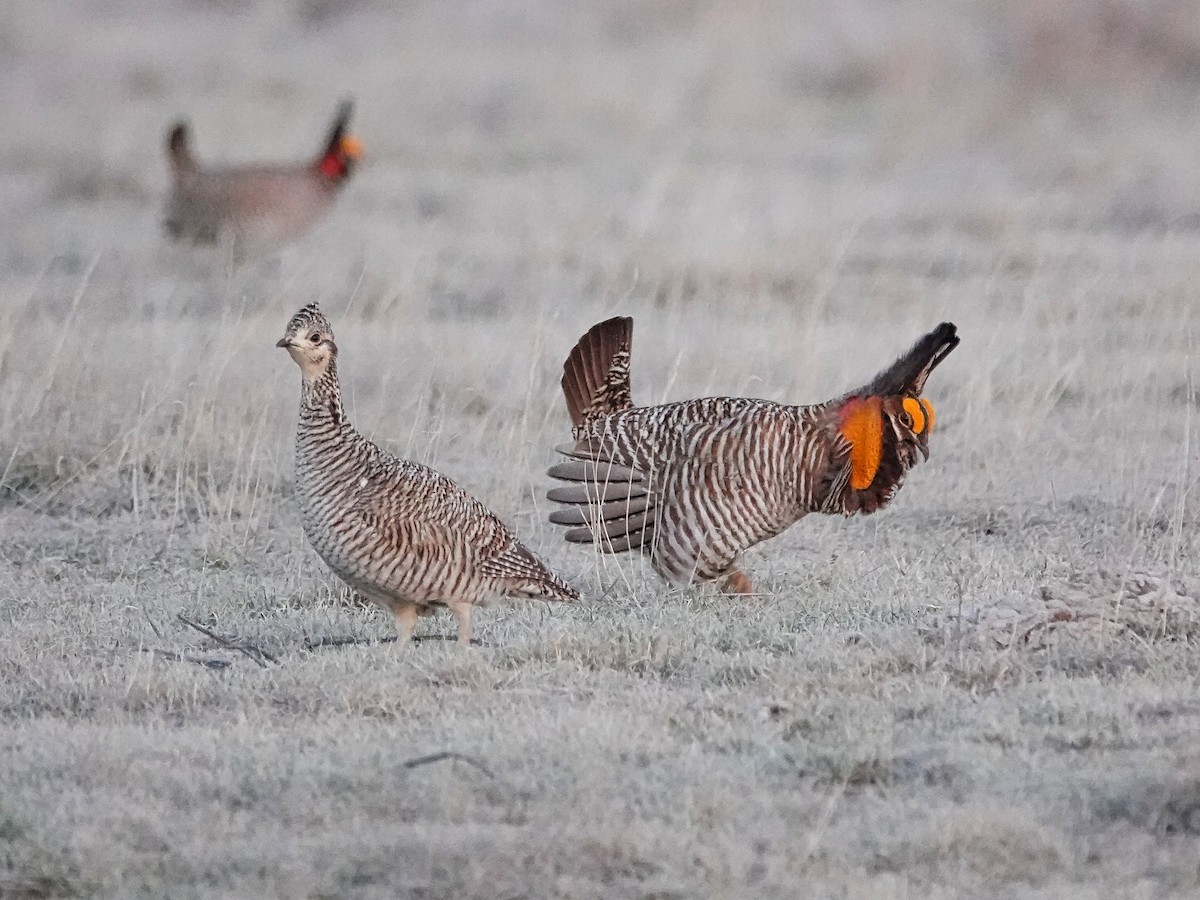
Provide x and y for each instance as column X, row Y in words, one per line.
column 989, row 689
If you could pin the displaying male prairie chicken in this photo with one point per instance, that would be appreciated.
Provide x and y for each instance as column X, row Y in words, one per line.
column 396, row 531
column 695, row 483
column 254, row 209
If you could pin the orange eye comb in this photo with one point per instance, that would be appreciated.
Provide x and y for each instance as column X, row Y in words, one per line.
column 351, row 146
column 862, row 426
column 916, row 412
column 928, row 407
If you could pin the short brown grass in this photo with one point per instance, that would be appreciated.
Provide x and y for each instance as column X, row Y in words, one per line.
column 783, row 198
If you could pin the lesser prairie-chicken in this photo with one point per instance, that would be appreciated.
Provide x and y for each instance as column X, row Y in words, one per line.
column 396, row 531
column 255, row 209
column 693, row 484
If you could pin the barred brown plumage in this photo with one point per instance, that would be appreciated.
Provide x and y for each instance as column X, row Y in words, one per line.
column 254, row 209
column 396, row 531
column 693, row 484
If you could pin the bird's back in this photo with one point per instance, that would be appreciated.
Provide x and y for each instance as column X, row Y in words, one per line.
column 259, row 208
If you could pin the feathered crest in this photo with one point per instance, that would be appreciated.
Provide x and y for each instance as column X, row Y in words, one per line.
column 908, row 374
column 339, row 129
column 310, row 317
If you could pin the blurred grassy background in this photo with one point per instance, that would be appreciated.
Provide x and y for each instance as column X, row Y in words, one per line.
column 784, row 195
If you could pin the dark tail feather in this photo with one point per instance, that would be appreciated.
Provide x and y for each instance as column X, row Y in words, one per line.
column 338, row 131
column 595, row 378
column 178, row 150
column 907, row 375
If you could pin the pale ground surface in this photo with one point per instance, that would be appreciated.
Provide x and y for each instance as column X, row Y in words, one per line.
column 784, row 203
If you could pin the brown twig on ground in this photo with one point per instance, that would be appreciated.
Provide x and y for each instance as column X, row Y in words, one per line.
column 319, row 643
column 448, row 754
column 241, row 645
column 209, row 662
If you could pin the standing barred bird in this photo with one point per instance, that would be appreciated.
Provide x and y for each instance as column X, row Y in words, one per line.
column 397, row 532
column 695, row 483
column 255, row 209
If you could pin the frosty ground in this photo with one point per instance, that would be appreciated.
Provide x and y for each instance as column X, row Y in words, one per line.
column 988, row 689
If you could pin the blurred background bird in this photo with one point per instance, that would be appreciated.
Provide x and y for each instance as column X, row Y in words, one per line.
column 249, row 210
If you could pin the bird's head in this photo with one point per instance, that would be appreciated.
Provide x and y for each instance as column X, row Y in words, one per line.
column 309, row 341
column 886, row 424
column 901, row 424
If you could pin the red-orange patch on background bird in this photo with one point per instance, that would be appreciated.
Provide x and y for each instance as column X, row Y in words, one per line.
column 916, row 412
column 334, row 164
column 862, row 425
column 331, row 166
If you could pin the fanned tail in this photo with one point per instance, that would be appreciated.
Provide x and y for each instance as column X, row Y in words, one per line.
column 595, row 378
column 908, row 374
column 179, row 151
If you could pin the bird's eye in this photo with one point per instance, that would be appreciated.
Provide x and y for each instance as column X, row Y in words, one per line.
column 905, row 419
column 315, row 337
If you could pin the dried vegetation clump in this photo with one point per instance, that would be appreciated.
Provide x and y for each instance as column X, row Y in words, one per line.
column 1105, row 606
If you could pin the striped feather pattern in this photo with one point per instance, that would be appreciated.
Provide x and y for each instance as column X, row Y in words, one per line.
column 596, row 374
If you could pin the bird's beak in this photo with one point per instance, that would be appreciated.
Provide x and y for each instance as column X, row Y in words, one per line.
column 924, row 448
column 283, row 342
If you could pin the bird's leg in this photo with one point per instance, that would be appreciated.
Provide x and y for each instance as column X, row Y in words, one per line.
column 462, row 612
column 406, row 621
column 736, row 582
